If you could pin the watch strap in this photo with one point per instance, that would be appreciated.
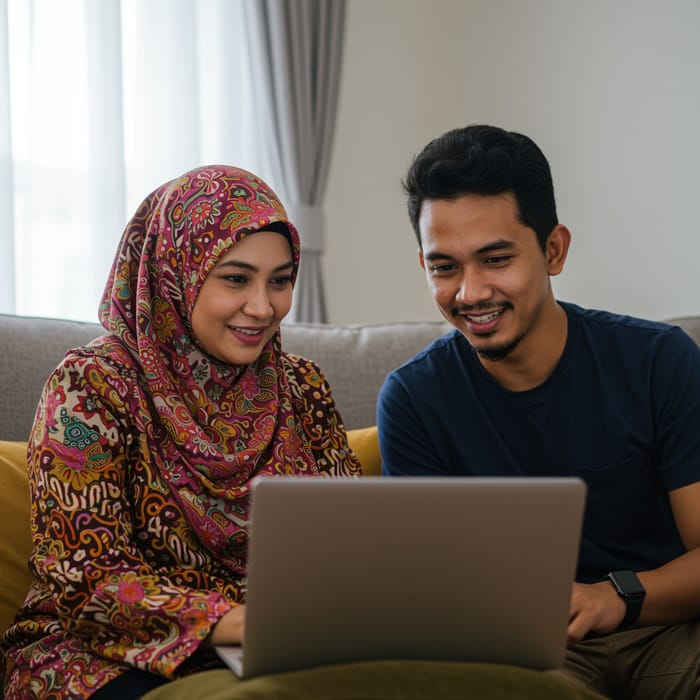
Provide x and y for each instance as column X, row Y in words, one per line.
column 632, row 596
column 634, row 608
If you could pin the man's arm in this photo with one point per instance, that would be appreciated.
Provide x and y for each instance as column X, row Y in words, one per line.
column 672, row 590
column 405, row 446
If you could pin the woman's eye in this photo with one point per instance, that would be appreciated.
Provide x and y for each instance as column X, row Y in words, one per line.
column 236, row 279
column 281, row 281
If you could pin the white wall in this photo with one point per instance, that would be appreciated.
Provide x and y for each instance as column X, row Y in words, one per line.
column 609, row 89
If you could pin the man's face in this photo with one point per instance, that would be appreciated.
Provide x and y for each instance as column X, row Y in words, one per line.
column 487, row 272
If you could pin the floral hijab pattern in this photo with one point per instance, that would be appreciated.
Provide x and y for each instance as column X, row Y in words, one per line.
column 216, row 425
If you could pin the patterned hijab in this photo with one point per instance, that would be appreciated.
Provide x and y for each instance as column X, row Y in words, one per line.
column 215, row 425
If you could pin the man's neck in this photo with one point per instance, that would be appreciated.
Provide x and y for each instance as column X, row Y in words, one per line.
column 536, row 356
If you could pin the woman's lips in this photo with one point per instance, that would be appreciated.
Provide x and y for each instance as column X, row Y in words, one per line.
column 250, row 336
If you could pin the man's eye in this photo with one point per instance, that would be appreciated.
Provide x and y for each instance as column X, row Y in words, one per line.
column 442, row 269
column 498, row 260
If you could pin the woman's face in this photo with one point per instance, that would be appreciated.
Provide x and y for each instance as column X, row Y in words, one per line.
column 244, row 298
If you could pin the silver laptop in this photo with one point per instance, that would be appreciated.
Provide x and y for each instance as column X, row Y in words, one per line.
column 462, row 569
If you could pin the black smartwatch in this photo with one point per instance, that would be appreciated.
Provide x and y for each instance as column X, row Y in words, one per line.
column 630, row 589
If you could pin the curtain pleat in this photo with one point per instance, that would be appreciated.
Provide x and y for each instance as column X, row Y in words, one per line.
column 295, row 61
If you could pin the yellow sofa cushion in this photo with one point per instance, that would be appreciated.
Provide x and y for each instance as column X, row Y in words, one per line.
column 15, row 537
column 364, row 442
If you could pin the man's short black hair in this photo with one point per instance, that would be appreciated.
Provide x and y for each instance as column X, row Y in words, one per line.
column 485, row 160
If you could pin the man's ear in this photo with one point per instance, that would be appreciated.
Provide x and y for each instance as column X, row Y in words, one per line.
column 557, row 248
column 421, row 259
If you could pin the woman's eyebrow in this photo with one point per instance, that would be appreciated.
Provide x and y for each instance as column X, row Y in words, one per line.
column 252, row 268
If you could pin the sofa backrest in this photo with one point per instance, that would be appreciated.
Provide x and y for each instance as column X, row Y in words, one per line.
column 30, row 349
column 355, row 359
column 690, row 324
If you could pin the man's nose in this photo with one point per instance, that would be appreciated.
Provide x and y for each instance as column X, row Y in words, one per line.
column 473, row 288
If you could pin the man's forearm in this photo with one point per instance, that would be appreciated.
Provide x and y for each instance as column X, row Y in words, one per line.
column 673, row 591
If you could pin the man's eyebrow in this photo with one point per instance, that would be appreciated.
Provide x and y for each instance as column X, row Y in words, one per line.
column 247, row 266
column 500, row 244
column 436, row 255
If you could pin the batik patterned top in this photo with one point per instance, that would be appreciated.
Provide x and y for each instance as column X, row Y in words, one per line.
column 142, row 453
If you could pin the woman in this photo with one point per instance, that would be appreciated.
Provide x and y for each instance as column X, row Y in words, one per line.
column 146, row 440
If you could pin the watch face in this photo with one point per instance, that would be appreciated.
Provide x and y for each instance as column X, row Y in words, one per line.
column 627, row 583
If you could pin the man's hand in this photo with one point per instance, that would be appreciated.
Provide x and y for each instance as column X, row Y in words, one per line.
column 595, row 607
column 229, row 629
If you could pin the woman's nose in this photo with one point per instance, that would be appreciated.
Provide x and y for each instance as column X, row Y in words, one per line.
column 258, row 303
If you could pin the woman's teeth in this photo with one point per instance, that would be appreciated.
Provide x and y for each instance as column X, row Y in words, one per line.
column 246, row 331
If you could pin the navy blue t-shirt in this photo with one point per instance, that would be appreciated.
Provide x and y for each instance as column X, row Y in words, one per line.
column 621, row 410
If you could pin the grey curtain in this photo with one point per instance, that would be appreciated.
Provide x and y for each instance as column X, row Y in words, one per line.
column 296, row 48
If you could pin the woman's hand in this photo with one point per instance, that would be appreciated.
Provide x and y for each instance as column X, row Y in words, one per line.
column 229, row 629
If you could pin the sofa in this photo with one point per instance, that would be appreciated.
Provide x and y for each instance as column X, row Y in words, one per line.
column 355, row 359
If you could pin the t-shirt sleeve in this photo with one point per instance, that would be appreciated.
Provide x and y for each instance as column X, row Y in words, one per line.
column 404, row 441
column 676, row 404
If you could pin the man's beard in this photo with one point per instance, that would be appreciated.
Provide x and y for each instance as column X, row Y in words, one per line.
column 498, row 352
column 495, row 352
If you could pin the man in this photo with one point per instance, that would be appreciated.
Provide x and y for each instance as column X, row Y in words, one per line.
column 527, row 385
